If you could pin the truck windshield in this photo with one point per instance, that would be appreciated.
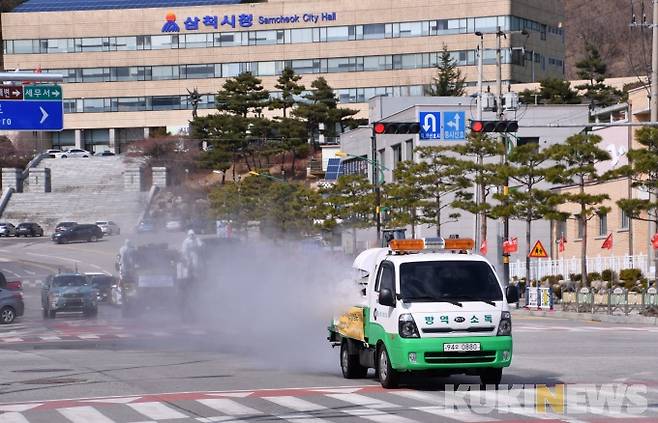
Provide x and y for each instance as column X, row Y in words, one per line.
column 448, row 281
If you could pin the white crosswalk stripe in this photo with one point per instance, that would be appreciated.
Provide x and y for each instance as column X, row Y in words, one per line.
column 227, row 406
column 439, row 409
column 301, row 406
column 85, row 414
column 362, row 400
column 377, row 416
column 157, row 411
column 13, row 417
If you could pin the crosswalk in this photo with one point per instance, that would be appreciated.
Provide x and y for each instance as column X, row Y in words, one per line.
column 322, row 405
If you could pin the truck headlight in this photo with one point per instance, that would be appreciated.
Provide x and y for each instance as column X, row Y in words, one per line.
column 407, row 326
column 505, row 325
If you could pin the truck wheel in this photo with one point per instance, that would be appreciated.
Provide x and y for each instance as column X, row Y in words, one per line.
column 491, row 376
column 388, row 376
column 349, row 364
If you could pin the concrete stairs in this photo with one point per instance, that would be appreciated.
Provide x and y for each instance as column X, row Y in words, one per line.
column 82, row 190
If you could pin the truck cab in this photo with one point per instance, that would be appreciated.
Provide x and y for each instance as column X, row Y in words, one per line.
column 427, row 308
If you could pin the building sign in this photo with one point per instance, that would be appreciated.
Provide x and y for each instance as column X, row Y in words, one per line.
column 242, row 20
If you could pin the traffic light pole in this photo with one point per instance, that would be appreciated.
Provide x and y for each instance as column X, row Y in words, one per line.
column 375, row 184
column 503, row 140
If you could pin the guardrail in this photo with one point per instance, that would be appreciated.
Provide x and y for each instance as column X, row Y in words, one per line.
column 609, row 301
column 33, row 163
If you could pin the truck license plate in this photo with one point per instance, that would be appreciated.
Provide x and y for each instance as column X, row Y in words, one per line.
column 471, row 346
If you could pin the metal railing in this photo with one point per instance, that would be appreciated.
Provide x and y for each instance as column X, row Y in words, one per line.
column 566, row 266
column 609, row 301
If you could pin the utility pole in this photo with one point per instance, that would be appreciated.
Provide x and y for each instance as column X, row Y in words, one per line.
column 654, row 101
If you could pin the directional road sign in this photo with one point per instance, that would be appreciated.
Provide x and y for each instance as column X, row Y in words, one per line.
column 454, row 126
column 430, row 125
column 35, row 107
column 31, row 115
column 538, row 251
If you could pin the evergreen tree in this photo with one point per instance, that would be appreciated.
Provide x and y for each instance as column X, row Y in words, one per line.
column 350, row 202
column 242, row 95
column 288, row 84
column 593, row 69
column 551, row 91
column 526, row 169
column 643, row 172
column 479, row 161
column 449, row 80
column 576, row 164
column 403, row 198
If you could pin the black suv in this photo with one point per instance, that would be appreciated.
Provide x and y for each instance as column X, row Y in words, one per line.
column 89, row 233
column 62, row 226
column 29, row 229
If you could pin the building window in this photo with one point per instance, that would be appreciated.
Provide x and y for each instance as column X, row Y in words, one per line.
column 381, row 163
column 580, row 231
column 561, row 229
column 397, row 155
column 603, row 224
column 625, row 222
column 409, row 150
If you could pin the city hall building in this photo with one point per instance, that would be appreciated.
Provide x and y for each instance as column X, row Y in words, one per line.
column 128, row 64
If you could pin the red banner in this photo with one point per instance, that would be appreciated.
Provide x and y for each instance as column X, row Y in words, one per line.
column 511, row 246
column 483, row 247
column 607, row 244
column 654, row 241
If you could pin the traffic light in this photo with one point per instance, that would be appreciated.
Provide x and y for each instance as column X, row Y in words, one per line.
column 396, row 128
column 494, row 126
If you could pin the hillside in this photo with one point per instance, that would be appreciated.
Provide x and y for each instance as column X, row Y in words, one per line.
column 605, row 23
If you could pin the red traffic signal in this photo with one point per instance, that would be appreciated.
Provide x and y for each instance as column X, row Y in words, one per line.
column 396, row 128
column 494, row 126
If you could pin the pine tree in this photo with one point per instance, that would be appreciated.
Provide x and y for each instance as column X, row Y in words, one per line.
column 593, row 69
column 551, row 91
column 288, row 84
column 526, row 169
column 576, row 164
column 449, row 81
column 643, row 173
column 242, row 95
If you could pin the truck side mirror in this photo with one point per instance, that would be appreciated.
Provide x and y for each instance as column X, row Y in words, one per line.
column 386, row 297
column 512, row 294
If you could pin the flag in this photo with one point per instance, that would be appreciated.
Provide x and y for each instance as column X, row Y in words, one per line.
column 515, row 245
column 560, row 246
column 654, row 241
column 511, row 245
column 607, row 244
column 483, row 247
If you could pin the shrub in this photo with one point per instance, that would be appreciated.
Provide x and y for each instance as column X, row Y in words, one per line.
column 630, row 275
column 609, row 275
column 594, row 276
column 574, row 277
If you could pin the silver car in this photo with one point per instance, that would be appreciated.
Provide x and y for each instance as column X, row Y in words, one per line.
column 7, row 229
column 11, row 305
column 108, row 227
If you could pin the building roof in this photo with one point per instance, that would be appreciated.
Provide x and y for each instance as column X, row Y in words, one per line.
column 81, row 5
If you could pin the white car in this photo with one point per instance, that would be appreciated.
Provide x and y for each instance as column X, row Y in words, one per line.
column 73, row 152
column 108, row 227
column 52, row 152
column 174, row 225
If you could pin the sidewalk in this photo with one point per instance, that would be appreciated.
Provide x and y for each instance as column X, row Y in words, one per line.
column 596, row 317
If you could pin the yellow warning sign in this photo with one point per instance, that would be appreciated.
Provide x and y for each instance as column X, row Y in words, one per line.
column 538, row 251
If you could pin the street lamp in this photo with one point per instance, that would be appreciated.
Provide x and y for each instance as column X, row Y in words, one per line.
column 374, row 163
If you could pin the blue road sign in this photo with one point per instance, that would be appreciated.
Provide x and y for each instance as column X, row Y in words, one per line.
column 430, row 125
column 454, row 126
column 31, row 115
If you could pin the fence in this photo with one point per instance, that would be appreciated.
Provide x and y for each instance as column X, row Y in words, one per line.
column 618, row 299
column 565, row 266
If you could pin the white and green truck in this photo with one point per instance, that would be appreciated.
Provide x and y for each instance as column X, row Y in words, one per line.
column 428, row 305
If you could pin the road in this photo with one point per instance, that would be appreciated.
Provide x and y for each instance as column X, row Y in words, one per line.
column 264, row 366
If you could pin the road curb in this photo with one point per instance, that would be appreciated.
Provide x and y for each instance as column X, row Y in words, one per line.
column 604, row 318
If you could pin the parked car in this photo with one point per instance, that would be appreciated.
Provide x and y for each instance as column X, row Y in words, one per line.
column 104, row 284
column 105, row 153
column 52, row 152
column 29, row 229
column 68, row 292
column 11, row 305
column 174, row 225
column 89, row 233
column 7, row 229
column 62, row 226
column 108, row 227
column 146, row 225
column 73, row 152
column 14, row 285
